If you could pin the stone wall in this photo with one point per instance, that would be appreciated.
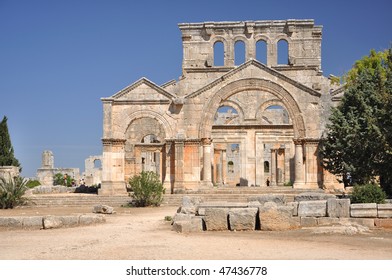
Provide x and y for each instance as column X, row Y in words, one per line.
column 272, row 212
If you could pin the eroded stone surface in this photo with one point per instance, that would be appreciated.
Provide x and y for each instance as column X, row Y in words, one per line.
column 243, row 218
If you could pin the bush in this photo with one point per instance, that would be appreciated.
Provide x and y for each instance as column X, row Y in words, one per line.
column 11, row 192
column 62, row 180
column 368, row 194
column 147, row 189
column 32, row 183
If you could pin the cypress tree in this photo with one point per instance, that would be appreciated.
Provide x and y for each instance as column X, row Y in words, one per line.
column 7, row 157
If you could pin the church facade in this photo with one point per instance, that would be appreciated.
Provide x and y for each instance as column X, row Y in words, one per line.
column 226, row 122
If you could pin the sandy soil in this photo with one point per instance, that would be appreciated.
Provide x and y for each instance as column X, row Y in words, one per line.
column 137, row 233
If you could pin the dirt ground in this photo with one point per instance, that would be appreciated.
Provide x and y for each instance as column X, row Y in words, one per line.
column 143, row 234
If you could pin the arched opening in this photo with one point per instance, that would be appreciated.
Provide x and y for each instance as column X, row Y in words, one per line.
column 266, row 166
column 283, row 52
column 275, row 114
column 261, row 51
column 239, row 52
column 97, row 164
column 219, row 54
column 226, row 115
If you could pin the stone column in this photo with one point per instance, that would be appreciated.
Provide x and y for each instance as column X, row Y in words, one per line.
column 179, row 167
column 299, row 180
column 166, row 160
column 224, row 167
column 207, row 162
column 273, row 167
column 113, row 161
column 312, row 167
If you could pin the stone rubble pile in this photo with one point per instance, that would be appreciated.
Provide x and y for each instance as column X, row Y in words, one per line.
column 272, row 212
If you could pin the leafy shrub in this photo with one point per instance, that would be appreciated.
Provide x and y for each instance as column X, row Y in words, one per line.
column 58, row 179
column 32, row 183
column 368, row 194
column 147, row 189
column 11, row 192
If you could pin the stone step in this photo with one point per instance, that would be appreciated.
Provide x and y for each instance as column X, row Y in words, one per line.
column 239, row 194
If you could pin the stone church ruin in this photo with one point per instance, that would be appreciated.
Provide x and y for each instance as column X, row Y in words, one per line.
column 226, row 122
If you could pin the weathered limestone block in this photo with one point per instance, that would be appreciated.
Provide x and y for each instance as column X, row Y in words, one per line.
column 181, row 217
column 33, row 222
column 193, row 224
column 317, row 208
column 363, row 210
column 308, row 221
column 189, row 205
column 274, row 217
column 243, row 218
column 384, row 223
column 279, row 199
column 50, row 222
column 11, row 221
column 310, row 196
column 327, row 221
column 384, row 210
column 103, row 209
column 216, row 218
column 69, row 221
column 89, row 219
column 338, row 208
column 294, row 205
column 367, row 222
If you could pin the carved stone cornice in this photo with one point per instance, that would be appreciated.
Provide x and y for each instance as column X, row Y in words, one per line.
column 113, row 141
column 206, row 141
column 298, row 141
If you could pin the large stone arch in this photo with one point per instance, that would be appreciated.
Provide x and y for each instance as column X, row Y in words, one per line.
column 124, row 125
column 205, row 127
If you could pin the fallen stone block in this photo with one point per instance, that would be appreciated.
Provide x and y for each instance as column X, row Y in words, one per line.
column 384, row 210
column 274, row 217
column 384, row 223
column 338, row 208
column 363, row 210
column 367, row 222
column 294, row 205
column 316, row 208
column 216, row 218
column 309, row 222
column 103, row 209
column 11, row 221
column 279, row 199
column 327, row 221
column 181, row 217
column 69, row 221
column 311, row 196
column 33, row 222
column 243, row 218
column 341, row 229
column 194, row 224
column 50, row 222
column 91, row 219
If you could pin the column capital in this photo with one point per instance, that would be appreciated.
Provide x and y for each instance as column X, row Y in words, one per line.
column 206, row 141
column 298, row 141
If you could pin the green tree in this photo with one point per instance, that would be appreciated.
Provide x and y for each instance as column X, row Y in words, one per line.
column 7, row 157
column 358, row 140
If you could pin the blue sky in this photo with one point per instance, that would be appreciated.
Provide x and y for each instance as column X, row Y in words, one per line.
column 58, row 58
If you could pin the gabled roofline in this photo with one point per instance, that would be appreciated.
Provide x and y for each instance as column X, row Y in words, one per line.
column 139, row 82
column 261, row 66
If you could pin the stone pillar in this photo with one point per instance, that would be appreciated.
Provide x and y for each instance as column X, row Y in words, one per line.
column 312, row 167
column 179, row 165
column 113, row 177
column 273, row 167
column 166, row 157
column 207, row 162
column 260, row 180
column 224, row 167
column 299, row 181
